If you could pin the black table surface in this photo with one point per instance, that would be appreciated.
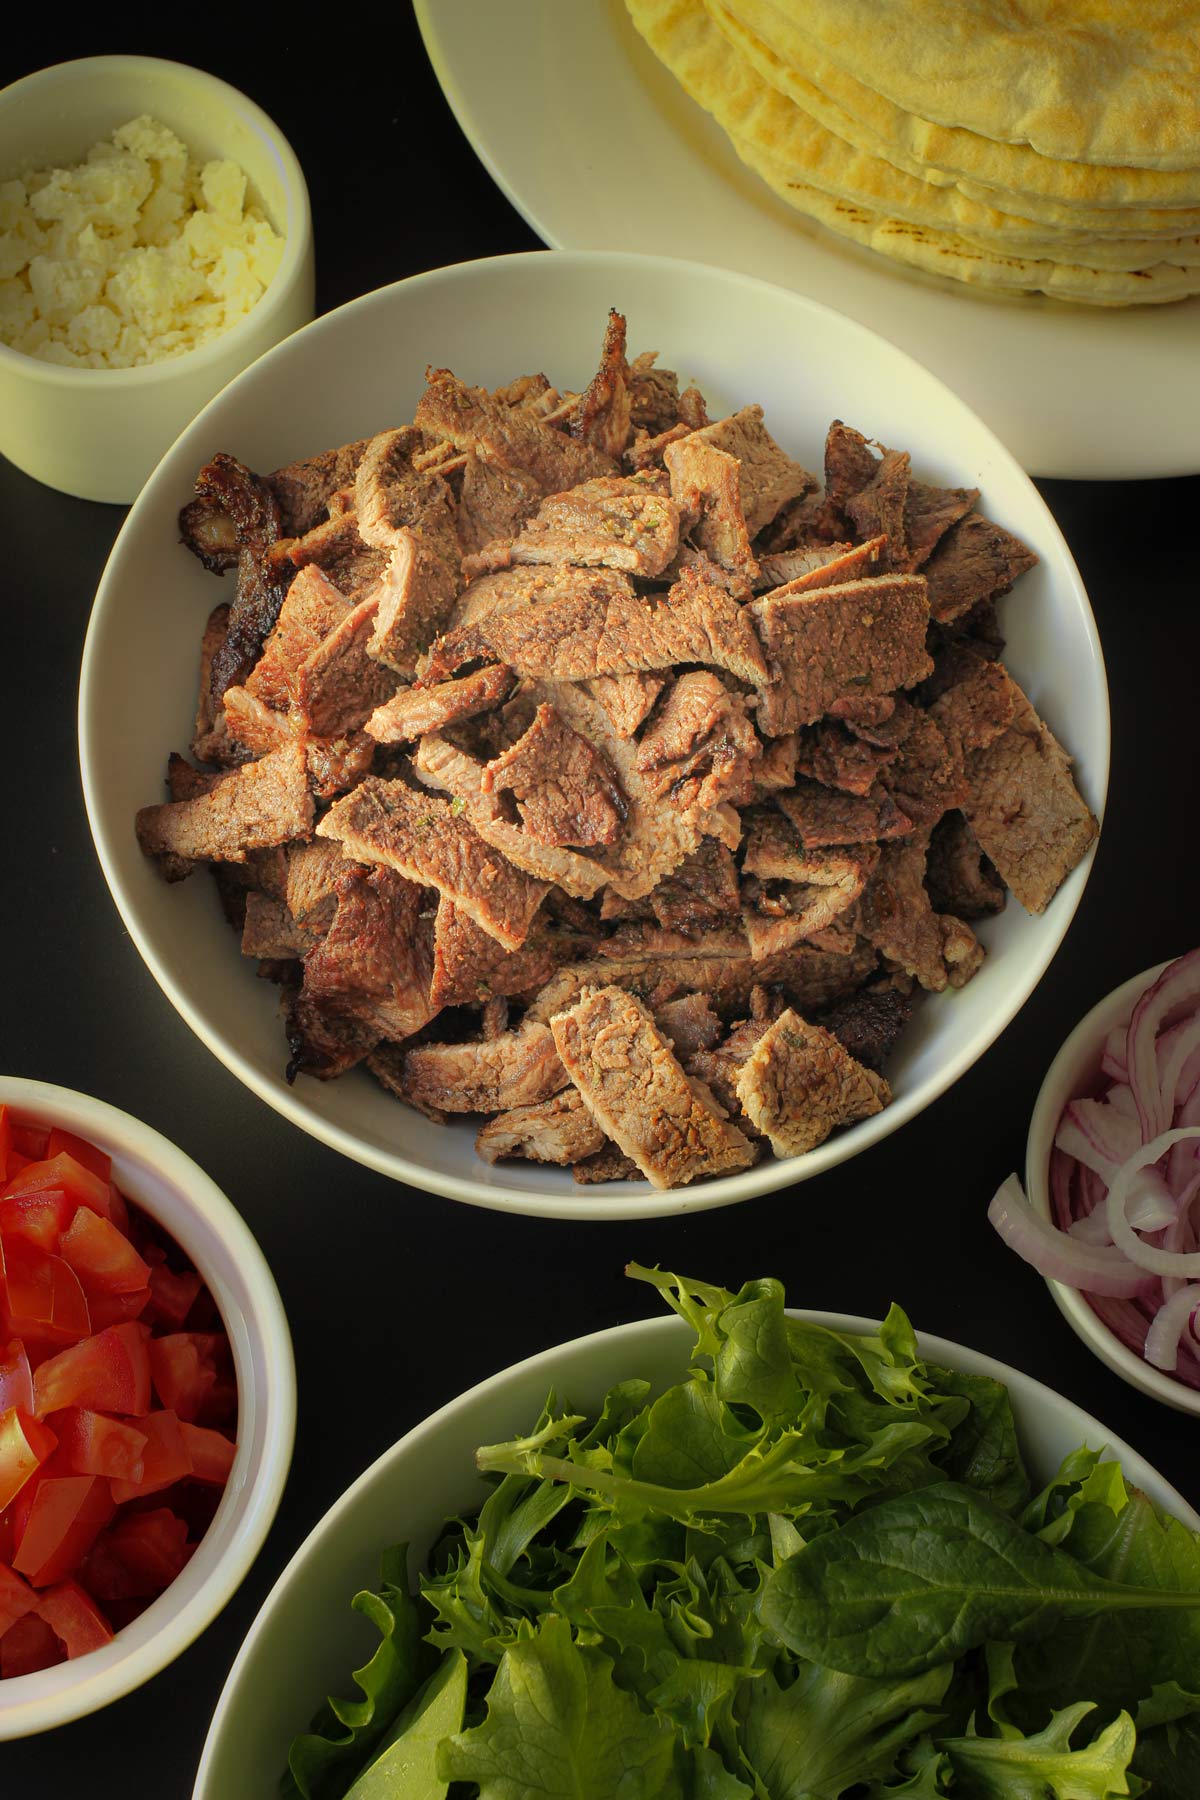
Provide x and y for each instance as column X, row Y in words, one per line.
column 398, row 1300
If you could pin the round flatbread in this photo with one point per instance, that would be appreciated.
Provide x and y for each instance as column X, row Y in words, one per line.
column 1112, row 83
column 1006, row 177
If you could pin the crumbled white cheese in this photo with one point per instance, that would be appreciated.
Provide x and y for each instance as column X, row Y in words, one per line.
column 138, row 254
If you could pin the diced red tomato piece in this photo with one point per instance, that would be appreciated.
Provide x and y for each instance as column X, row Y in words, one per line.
column 30, row 1140
column 173, row 1295
column 16, row 1378
column 153, row 1547
column 25, row 1444
column 117, row 1309
column 41, row 1300
column 6, row 1140
column 74, row 1618
column 16, row 1598
column 109, row 1372
column 90, row 1155
column 38, row 1219
column 90, row 1443
column 68, row 1513
column 165, row 1459
column 102, row 1257
column 62, row 1171
column 183, row 1367
column 212, row 1453
column 28, row 1646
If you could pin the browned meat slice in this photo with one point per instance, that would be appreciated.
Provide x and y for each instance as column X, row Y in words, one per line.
column 304, row 489
column 253, row 726
column 565, row 791
column 813, row 979
column 659, row 832
column 605, row 408
column 209, row 741
column 690, row 1024
column 699, row 622
column 517, row 1069
column 782, row 914
column 878, row 509
column 335, row 764
column 859, row 637
column 926, row 778
column 367, row 979
column 439, row 764
column 235, row 520
column 865, row 714
column 897, row 918
column 835, row 757
column 798, row 1085
column 646, row 452
column 338, row 686
column 775, row 853
column 595, row 625
column 929, row 513
column 494, row 501
column 337, row 547
column 1022, row 802
column 614, row 522
column 653, row 393
column 823, row 815
column 416, row 710
column 643, row 938
column 525, row 390
column 777, row 766
column 470, row 420
column 558, row 1130
column 701, row 747
column 470, row 966
column 959, row 876
column 700, row 894
column 312, row 608
column 627, row 699
column 767, row 476
column 705, row 485
column 850, row 463
column 407, row 517
column 634, row 1087
column 608, row 1164
column 977, row 709
column 312, row 872
column 269, row 930
column 976, row 560
column 819, row 565
column 422, row 837
column 261, row 803
column 868, row 1025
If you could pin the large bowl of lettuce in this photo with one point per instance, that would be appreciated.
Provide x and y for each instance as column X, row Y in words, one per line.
column 741, row 1553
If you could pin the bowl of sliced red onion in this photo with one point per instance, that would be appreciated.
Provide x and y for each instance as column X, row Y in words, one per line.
column 1112, row 1174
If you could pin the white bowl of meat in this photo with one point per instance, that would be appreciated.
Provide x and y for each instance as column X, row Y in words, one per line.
column 572, row 756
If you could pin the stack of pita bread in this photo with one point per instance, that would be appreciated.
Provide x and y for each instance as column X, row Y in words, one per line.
column 1028, row 146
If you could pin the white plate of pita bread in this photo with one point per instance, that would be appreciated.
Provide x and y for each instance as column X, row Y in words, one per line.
column 686, row 149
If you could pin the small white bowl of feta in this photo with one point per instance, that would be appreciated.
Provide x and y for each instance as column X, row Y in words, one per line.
column 155, row 238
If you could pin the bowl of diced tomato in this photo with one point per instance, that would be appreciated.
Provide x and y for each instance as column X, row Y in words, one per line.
column 147, row 1403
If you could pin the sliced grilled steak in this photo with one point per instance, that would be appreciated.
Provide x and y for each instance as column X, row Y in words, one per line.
column 566, row 793
column 558, row 1130
column 261, row 803
column 798, row 1085
column 516, row 1069
column 858, row 637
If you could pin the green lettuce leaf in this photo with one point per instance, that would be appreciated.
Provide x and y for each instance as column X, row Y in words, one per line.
column 559, row 1727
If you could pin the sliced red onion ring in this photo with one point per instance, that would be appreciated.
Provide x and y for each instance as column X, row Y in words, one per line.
column 1056, row 1255
column 1146, row 1256
column 1177, row 986
column 1120, row 1098
column 1170, row 1323
column 1113, row 1062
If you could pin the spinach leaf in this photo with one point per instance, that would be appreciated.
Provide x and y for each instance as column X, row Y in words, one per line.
column 559, row 1727
column 983, row 1452
column 922, row 1579
column 1168, row 1757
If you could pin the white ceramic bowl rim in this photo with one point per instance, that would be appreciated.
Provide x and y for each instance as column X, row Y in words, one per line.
column 253, row 1316
column 630, row 1200
column 1084, row 1046
column 636, row 1338
column 296, row 228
